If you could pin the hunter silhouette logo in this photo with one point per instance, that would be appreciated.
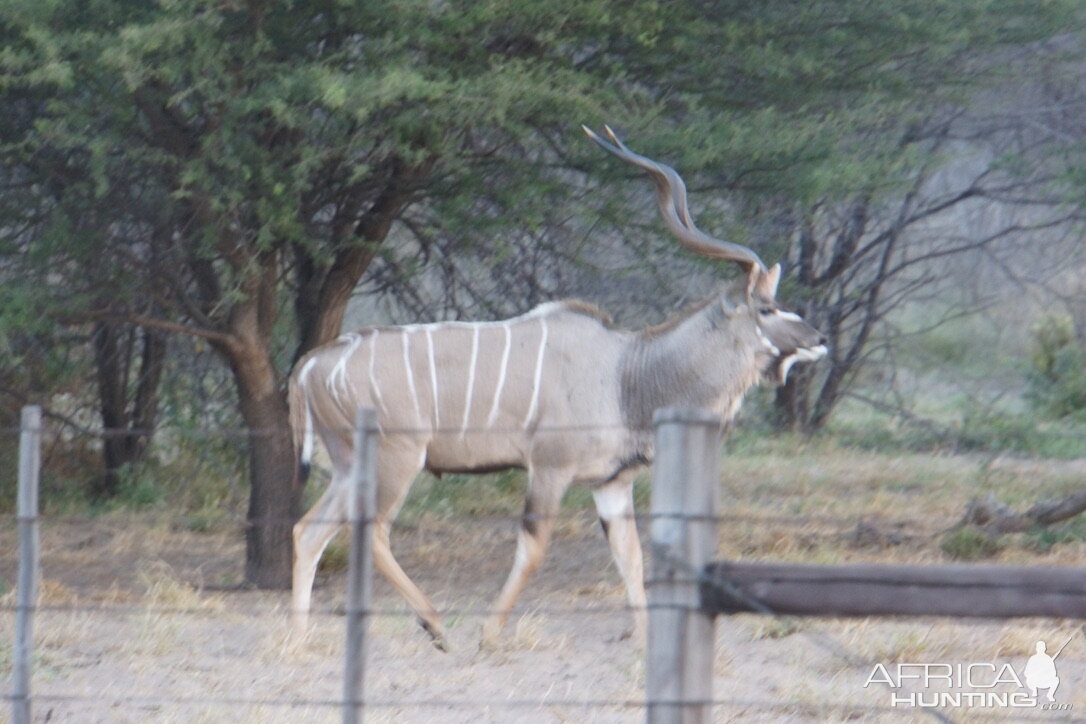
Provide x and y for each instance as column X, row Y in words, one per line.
column 1040, row 671
column 977, row 684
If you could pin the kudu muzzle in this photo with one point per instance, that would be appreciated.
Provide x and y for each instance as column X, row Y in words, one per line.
column 791, row 340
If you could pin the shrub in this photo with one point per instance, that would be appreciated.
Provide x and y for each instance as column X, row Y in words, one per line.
column 970, row 544
column 1057, row 378
column 988, row 429
column 138, row 487
column 1044, row 538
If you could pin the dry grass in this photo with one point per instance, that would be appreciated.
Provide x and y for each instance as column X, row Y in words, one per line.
column 164, row 589
column 826, row 505
column 171, row 632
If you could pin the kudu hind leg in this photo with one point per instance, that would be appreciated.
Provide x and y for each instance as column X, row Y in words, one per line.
column 614, row 503
column 395, row 478
column 540, row 514
column 311, row 536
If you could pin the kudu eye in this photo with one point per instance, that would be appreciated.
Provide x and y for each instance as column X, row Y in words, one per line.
column 766, row 311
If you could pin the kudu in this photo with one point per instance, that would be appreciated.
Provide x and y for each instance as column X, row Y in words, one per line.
column 557, row 391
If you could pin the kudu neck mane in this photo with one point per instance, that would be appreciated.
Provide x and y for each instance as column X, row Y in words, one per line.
column 705, row 358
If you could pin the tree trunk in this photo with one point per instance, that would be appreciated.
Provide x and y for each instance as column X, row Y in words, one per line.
column 111, row 406
column 275, row 499
column 274, row 493
column 790, row 403
column 127, row 429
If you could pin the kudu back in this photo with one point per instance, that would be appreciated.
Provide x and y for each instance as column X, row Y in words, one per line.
column 558, row 391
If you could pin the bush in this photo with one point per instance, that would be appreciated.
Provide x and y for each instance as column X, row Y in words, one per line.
column 997, row 430
column 1043, row 539
column 138, row 487
column 1057, row 378
column 970, row 544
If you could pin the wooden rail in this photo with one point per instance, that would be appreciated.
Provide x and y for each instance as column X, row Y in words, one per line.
column 986, row 591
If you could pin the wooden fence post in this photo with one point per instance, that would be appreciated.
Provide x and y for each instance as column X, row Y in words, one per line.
column 686, row 476
column 29, row 562
column 361, row 509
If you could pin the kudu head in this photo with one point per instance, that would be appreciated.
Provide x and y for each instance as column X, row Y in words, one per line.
column 783, row 335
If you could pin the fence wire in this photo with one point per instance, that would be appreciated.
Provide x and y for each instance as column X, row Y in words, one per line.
column 822, row 710
column 819, row 639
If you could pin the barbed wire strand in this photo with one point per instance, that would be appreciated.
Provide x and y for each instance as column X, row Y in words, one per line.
column 341, row 430
column 569, row 515
column 336, row 612
column 510, row 703
column 722, row 584
column 464, row 612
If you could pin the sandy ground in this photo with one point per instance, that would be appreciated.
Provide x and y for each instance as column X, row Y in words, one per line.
column 143, row 624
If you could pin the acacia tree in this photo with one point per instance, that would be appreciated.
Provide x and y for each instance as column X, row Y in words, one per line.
column 231, row 170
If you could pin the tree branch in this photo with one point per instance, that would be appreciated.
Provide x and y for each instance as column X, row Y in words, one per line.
column 141, row 320
column 995, row 517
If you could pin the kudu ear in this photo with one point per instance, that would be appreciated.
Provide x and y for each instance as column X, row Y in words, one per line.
column 765, row 283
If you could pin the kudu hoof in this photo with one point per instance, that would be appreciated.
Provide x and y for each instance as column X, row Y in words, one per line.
column 437, row 636
column 633, row 633
column 490, row 636
column 299, row 629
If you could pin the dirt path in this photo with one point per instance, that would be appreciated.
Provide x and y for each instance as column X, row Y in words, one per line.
column 143, row 627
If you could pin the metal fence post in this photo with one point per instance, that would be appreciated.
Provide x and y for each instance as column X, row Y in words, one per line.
column 361, row 509
column 29, row 474
column 686, row 475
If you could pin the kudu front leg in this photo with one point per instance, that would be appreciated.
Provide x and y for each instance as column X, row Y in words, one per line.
column 614, row 503
column 540, row 515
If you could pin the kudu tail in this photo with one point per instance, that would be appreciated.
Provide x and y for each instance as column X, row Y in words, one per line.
column 301, row 426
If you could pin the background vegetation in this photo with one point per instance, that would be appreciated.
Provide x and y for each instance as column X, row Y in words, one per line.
column 192, row 191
